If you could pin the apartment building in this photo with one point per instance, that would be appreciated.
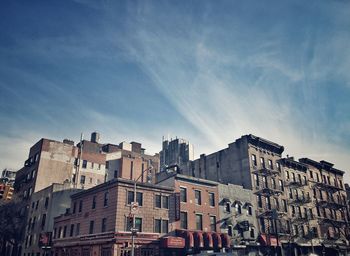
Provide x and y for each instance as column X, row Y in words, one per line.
column 99, row 220
column 44, row 205
column 238, row 217
column 176, row 152
column 329, row 205
column 196, row 214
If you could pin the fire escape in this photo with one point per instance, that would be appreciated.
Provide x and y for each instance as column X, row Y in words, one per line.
column 269, row 208
column 328, row 208
column 298, row 201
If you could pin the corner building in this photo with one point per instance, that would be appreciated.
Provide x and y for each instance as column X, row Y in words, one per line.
column 99, row 220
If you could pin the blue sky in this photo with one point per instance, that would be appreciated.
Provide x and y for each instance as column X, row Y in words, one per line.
column 207, row 71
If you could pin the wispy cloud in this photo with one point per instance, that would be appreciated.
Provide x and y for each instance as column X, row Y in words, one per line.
column 209, row 73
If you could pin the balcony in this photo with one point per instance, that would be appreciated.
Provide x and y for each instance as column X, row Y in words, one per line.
column 300, row 201
column 264, row 171
column 296, row 184
column 301, row 219
column 325, row 187
column 331, row 205
column 266, row 191
column 270, row 214
column 334, row 223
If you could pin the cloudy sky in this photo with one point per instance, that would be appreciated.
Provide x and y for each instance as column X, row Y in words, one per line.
column 207, row 71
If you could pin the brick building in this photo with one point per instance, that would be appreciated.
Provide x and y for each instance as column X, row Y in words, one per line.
column 99, row 222
column 196, row 214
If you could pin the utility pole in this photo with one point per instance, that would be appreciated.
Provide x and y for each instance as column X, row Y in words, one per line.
column 134, row 207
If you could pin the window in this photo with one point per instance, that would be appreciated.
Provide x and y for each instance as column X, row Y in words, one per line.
column 317, row 177
column 165, row 225
column 312, row 175
column 46, row 202
column 268, row 202
column 104, row 225
column 262, row 162
column 256, row 179
column 212, row 223
column 238, row 208
column 273, row 183
column 105, row 199
column 287, row 175
column 138, row 224
column 278, row 166
column 254, row 160
column 197, row 195
column 64, row 231
column 116, row 174
column 199, row 221
column 77, row 230
column 43, row 220
column 284, row 203
column 93, row 202
column 293, row 176
column 212, row 199
column 258, row 197
column 227, row 207
column 90, row 180
column 157, row 226
column 91, row 227
column 252, row 233
column 74, row 207
column 84, row 164
column 37, row 205
column 82, row 179
column 165, row 202
column 270, row 164
column 265, row 182
column 183, row 219
column 183, row 195
column 281, row 185
column 341, row 184
column 59, row 235
column 107, row 165
column 139, row 197
column 158, row 201
column 250, row 210
column 290, row 194
column 305, row 180
column 71, row 230
column 80, row 205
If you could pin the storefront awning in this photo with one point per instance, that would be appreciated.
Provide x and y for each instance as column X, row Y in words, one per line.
column 208, row 240
column 198, row 240
column 216, row 241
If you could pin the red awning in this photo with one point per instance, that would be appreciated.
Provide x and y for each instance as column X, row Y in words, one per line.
column 198, row 240
column 208, row 240
column 188, row 236
column 226, row 242
column 216, row 241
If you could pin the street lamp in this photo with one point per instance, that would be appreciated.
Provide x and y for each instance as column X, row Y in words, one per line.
column 134, row 207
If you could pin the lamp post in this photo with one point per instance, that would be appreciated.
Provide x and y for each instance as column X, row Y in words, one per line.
column 133, row 229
